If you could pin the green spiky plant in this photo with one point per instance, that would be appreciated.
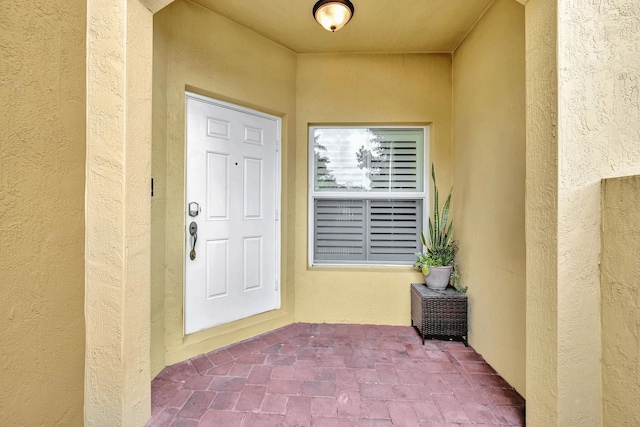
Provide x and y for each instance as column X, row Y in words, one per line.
column 441, row 248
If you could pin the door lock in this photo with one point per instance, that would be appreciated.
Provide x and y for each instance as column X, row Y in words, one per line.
column 194, row 209
column 193, row 230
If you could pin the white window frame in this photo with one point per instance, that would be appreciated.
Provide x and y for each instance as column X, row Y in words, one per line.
column 364, row 195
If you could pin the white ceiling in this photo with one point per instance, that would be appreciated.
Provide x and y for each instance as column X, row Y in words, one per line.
column 377, row 25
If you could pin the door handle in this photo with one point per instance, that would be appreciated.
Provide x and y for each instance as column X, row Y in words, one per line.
column 193, row 230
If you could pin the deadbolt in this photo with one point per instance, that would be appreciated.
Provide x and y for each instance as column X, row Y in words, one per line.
column 194, row 209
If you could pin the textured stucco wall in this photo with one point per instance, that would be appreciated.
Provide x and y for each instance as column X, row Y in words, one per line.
column 42, row 153
column 208, row 54
column 489, row 181
column 365, row 89
column 620, row 291
column 118, row 165
column 159, row 199
column 599, row 137
column 541, row 212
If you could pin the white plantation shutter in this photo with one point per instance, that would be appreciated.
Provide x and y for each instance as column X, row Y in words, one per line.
column 351, row 170
column 339, row 230
column 398, row 166
column 394, row 230
column 367, row 230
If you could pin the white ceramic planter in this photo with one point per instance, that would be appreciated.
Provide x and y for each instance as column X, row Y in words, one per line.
column 438, row 277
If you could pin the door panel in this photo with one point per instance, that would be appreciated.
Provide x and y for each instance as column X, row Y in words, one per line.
column 232, row 172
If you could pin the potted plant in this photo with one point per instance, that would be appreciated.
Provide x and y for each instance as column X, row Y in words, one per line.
column 437, row 262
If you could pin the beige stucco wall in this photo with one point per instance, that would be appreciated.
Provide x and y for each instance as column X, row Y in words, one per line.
column 205, row 53
column 365, row 89
column 489, row 183
column 42, row 161
column 620, row 292
column 541, row 227
column 159, row 199
column 598, row 137
column 118, row 162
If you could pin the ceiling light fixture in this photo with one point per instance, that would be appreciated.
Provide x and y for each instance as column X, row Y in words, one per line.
column 333, row 14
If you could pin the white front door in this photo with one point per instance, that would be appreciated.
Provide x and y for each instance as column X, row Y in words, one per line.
column 232, row 197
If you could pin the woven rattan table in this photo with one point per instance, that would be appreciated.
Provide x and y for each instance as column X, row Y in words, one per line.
column 439, row 314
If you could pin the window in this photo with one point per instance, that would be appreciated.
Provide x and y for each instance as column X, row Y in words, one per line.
column 367, row 194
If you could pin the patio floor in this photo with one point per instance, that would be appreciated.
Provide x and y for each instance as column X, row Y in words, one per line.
column 335, row 375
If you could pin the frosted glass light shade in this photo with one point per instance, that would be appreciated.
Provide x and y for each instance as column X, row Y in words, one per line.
column 333, row 14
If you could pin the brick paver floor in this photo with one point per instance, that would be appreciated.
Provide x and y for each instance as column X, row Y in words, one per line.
column 335, row 375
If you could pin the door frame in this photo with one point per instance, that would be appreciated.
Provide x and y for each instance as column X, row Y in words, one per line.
column 278, row 195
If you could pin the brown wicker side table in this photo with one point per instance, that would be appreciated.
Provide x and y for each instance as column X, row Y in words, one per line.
column 439, row 314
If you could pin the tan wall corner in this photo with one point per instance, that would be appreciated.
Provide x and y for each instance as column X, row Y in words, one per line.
column 620, row 292
column 118, row 166
column 489, row 185
column 541, row 213
column 598, row 134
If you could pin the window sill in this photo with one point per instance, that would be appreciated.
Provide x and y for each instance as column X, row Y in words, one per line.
column 361, row 267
